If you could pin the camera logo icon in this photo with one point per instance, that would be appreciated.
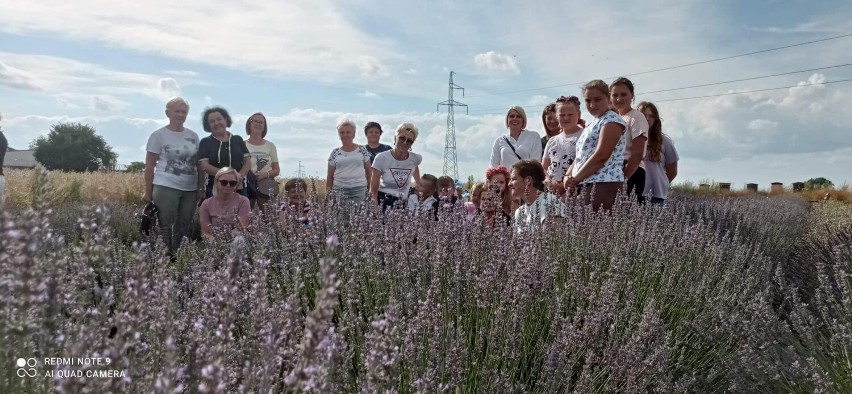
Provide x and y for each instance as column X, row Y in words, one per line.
column 26, row 367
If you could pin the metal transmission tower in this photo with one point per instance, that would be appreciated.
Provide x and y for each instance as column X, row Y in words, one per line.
column 451, row 165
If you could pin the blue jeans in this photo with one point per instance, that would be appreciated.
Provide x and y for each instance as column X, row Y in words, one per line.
column 350, row 194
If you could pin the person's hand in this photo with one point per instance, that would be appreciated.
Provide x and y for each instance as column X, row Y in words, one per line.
column 556, row 187
column 147, row 198
column 240, row 181
column 571, row 182
column 200, row 196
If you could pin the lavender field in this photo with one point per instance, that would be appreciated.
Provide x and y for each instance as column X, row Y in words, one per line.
column 707, row 295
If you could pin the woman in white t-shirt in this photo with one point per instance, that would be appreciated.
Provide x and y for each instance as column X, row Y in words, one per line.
column 393, row 169
column 561, row 149
column 622, row 93
column 173, row 181
column 264, row 158
column 348, row 166
column 599, row 165
column 519, row 144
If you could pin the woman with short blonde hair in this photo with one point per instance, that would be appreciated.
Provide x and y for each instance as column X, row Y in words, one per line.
column 393, row 170
column 519, row 144
column 226, row 210
column 348, row 166
column 173, row 179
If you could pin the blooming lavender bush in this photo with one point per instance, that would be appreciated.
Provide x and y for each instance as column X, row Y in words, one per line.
column 694, row 297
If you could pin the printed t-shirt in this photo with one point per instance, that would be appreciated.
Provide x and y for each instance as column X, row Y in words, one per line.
column 262, row 156
column 349, row 166
column 177, row 166
column 396, row 174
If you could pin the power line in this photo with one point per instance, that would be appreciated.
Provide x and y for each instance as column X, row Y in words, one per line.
column 747, row 79
column 673, row 67
column 756, row 90
column 725, row 94
column 720, row 82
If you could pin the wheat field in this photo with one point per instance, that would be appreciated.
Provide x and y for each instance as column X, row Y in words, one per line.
column 89, row 187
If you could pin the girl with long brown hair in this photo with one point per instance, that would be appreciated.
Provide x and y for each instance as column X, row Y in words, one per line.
column 661, row 157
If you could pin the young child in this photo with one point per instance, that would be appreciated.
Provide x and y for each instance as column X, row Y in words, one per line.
column 424, row 199
column 448, row 199
column 297, row 207
column 472, row 206
column 491, row 208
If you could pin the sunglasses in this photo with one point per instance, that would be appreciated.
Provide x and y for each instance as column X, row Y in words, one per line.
column 405, row 140
column 257, row 121
column 513, row 116
column 227, row 183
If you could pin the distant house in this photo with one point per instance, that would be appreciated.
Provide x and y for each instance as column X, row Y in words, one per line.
column 19, row 159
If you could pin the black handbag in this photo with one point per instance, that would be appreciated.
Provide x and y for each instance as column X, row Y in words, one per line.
column 251, row 185
column 148, row 218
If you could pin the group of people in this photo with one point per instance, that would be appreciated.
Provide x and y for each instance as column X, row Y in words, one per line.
column 620, row 148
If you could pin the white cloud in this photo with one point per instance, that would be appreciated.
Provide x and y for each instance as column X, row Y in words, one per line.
column 16, row 78
column 540, row 100
column 307, row 39
column 762, row 124
column 100, row 103
column 59, row 76
column 182, row 73
column 493, row 61
column 169, row 87
column 368, row 94
column 371, row 67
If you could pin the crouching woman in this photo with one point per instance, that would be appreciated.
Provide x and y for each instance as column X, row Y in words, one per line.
column 227, row 212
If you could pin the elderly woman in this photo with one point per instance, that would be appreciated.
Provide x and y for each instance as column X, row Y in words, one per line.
column 393, row 169
column 264, row 158
column 599, row 164
column 519, row 144
column 173, row 181
column 348, row 166
column 226, row 210
column 222, row 149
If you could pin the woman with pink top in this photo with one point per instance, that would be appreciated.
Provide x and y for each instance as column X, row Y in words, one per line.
column 227, row 211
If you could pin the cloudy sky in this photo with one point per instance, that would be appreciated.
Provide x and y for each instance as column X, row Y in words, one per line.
column 305, row 64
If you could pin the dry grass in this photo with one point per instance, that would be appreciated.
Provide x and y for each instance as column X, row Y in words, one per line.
column 114, row 186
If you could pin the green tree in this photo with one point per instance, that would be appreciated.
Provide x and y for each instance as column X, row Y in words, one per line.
column 73, row 147
column 136, row 166
column 818, row 183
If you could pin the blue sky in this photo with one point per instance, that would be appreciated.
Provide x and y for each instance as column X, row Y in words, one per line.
column 305, row 64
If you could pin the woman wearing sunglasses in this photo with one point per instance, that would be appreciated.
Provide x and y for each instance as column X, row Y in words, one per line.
column 226, row 212
column 519, row 144
column 393, row 169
